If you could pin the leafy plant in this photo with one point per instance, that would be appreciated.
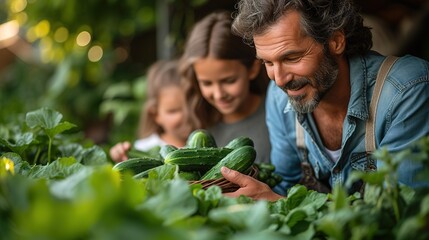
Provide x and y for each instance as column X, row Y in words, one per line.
column 79, row 195
column 43, row 135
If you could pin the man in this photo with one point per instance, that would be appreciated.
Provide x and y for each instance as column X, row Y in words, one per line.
column 317, row 52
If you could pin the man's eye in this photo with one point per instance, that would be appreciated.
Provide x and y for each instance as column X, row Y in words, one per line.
column 293, row 59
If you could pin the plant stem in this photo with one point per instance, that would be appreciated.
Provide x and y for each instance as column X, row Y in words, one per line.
column 49, row 149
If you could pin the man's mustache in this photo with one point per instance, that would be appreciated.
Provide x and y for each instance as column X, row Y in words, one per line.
column 296, row 84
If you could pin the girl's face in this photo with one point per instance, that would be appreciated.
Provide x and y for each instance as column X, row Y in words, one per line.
column 170, row 113
column 225, row 83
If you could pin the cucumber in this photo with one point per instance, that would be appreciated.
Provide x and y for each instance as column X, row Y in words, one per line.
column 200, row 138
column 267, row 167
column 166, row 149
column 137, row 165
column 239, row 142
column 240, row 159
column 152, row 153
column 196, row 159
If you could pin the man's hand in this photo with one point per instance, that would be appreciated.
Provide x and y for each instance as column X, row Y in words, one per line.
column 249, row 186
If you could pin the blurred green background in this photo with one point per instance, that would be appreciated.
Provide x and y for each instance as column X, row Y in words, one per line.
column 88, row 58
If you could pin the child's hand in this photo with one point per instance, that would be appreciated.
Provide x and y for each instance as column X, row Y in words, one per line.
column 118, row 153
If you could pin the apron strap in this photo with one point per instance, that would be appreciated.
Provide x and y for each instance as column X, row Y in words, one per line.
column 379, row 82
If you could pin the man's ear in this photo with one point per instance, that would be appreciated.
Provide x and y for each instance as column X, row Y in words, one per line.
column 337, row 43
column 254, row 70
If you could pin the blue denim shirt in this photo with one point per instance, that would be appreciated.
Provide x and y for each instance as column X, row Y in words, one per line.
column 402, row 118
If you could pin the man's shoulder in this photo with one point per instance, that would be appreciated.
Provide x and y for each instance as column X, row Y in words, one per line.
column 408, row 70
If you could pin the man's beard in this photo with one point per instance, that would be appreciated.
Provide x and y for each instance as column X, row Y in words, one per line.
column 324, row 78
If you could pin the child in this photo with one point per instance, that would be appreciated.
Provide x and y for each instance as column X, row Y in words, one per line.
column 163, row 116
column 224, row 84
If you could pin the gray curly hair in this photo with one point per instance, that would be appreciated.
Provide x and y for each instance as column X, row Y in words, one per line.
column 319, row 20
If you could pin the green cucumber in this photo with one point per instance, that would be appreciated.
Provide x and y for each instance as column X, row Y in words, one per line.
column 200, row 138
column 137, row 165
column 240, row 159
column 267, row 167
column 239, row 142
column 166, row 149
column 153, row 153
column 196, row 159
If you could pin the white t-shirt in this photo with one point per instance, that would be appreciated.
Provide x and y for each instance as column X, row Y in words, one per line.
column 147, row 143
column 334, row 155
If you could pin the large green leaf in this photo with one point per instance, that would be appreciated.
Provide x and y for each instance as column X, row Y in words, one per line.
column 45, row 118
column 20, row 142
column 240, row 217
column 174, row 202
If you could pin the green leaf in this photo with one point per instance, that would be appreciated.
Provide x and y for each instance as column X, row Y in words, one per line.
column 258, row 236
column 207, row 199
column 173, row 203
column 424, row 211
column 45, row 118
column 58, row 169
column 314, row 200
column 119, row 108
column 95, row 155
column 72, row 149
column 250, row 217
column 295, row 216
column 21, row 142
column 407, row 193
column 373, row 178
column 413, row 228
column 295, row 196
column 333, row 223
column 61, row 127
column 340, row 198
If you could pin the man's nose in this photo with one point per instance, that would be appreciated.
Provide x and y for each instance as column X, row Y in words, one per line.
column 281, row 75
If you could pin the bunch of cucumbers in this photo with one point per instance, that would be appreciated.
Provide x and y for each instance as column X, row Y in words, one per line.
column 267, row 175
column 200, row 159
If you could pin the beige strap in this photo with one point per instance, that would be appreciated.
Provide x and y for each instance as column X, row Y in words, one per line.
column 299, row 134
column 379, row 82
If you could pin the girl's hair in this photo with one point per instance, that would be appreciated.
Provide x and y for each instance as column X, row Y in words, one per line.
column 161, row 74
column 319, row 20
column 212, row 37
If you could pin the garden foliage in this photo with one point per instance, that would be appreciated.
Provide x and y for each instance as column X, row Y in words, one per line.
column 52, row 187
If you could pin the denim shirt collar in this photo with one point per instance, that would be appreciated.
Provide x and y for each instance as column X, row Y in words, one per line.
column 358, row 104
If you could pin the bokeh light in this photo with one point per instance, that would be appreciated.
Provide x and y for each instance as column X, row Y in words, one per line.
column 61, row 35
column 18, row 6
column 83, row 38
column 95, row 53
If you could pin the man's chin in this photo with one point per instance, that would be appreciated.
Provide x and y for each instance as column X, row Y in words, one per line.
column 306, row 107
